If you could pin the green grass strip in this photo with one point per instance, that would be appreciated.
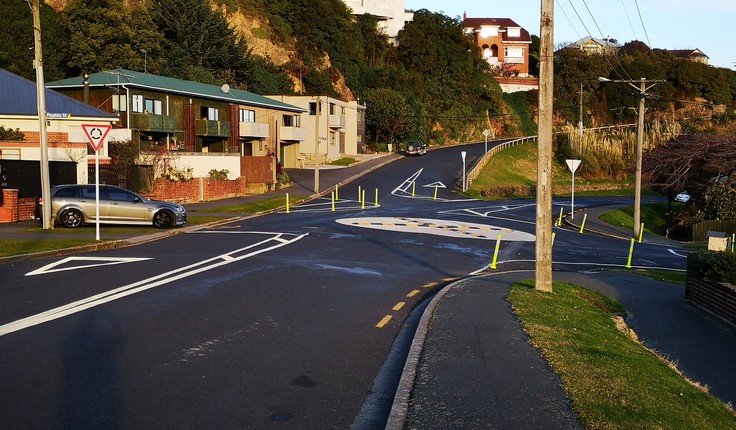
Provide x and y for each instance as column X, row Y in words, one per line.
column 612, row 380
column 257, row 206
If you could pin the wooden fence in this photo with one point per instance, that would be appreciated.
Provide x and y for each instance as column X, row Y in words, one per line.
column 701, row 229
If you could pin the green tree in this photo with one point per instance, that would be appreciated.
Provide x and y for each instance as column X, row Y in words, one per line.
column 17, row 40
column 104, row 34
column 388, row 116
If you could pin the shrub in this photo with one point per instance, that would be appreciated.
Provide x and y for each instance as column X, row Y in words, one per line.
column 712, row 266
column 179, row 175
column 219, row 175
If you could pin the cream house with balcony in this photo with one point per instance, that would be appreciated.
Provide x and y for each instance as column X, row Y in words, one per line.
column 338, row 125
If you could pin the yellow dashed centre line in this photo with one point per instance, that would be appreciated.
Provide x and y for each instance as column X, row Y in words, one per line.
column 430, row 285
column 384, row 321
column 399, row 306
column 413, row 293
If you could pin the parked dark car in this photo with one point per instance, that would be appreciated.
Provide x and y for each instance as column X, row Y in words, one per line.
column 74, row 205
column 416, row 148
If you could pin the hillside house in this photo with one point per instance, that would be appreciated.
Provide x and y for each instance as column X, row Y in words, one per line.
column 390, row 13
column 695, row 55
column 206, row 126
column 592, row 45
column 68, row 150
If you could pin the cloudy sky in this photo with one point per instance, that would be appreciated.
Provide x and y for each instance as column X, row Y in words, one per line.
column 669, row 24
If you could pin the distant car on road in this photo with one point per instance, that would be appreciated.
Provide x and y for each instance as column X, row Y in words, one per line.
column 683, row 197
column 416, row 148
column 74, row 205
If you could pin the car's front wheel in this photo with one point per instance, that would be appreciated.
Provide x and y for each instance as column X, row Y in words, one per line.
column 163, row 219
column 71, row 218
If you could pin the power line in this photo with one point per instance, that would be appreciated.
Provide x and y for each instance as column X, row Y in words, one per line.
column 642, row 23
column 628, row 18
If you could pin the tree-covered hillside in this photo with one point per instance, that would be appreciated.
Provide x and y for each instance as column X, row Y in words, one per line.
column 431, row 77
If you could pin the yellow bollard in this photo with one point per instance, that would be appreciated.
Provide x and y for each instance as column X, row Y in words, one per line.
column 553, row 238
column 359, row 193
column 495, row 253
column 376, row 204
column 582, row 226
column 631, row 252
column 733, row 238
column 641, row 232
column 337, row 193
column 435, row 192
column 413, row 188
column 559, row 223
column 287, row 203
column 333, row 201
column 362, row 201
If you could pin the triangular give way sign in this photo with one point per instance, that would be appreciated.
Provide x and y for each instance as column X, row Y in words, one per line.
column 96, row 134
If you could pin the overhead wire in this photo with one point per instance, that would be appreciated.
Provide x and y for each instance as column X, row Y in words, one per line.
column 628, row 18
column 649, row 43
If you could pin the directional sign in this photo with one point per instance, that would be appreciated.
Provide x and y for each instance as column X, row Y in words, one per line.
column 96, row 134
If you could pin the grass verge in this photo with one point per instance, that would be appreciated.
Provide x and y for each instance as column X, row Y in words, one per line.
column 257, row 206
column 612, row 380
column 10, row 247
column 344, row 161
column 654, row 217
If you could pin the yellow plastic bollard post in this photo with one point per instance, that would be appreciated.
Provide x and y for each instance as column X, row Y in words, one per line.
column 582, row 226
column 359, row 193
column 435, row 192
column 376, row 203
column 495, row 253
column 631, row 252
column 641, row 232
column 553, row 238
column 333, row 201
column 559, row 223
column 362, row 201
column 733, row 238
column 287, row 203
column 337, row 193
column 413, row 188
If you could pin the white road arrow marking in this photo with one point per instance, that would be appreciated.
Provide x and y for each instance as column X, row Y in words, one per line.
column 97, row 262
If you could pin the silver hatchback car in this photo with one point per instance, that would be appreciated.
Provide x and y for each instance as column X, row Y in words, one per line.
column 74, row 205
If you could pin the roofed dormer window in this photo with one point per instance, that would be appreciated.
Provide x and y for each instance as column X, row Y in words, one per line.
column 514, row 32
column 488, row 31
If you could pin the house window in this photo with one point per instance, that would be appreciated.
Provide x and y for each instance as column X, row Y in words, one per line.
column 332, row 109
column 513, row 55
column 514, row 32
column 313, row 108
column 153, row 106
column 137, row 101
column 290, row 120
column 247, row 115
column 209, row 113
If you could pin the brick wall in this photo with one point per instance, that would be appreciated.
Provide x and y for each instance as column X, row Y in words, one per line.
column 196, row 190
column 715, row 297
column 16, row 209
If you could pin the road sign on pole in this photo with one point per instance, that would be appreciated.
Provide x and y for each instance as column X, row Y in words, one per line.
column 573, row 166
column 462, row 154
column 486, row 132
column 96, row 135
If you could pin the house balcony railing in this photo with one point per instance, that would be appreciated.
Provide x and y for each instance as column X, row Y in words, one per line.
column 297, row 134
column 204, row 127
column 337, row 121
column 513, row 60
column 151, row 122
column 254, row 130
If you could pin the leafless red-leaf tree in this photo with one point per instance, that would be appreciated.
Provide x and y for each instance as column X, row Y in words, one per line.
column 691, row 162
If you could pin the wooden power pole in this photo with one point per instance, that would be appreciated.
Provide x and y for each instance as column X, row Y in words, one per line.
column 543, row 279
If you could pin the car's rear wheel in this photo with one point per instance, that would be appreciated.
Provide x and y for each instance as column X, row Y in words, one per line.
column 71, row 218
column 163, row 219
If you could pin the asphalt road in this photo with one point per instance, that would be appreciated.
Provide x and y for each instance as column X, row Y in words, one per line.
column 284, row 321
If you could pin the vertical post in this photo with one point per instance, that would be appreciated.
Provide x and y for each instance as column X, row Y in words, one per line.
column 97, row 194
column 465, row 183
column 333, row 201
column 41, row 98
column 435, row 191
column 376, row 204
column 413, row 188
column 572, row 200
column 287, row 203
column 337, row 191
column 580, row 107
column 543, row 277
column 639, row 150
column 316, row 148
column 362, row 201
column 359, row 193
column 495, row 253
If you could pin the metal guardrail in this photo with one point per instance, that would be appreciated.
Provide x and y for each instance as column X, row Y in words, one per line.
column 481, row 163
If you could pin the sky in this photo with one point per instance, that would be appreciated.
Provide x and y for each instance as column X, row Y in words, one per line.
column 707, row 25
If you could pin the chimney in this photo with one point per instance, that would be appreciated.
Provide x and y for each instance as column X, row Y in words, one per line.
column 86, row 88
